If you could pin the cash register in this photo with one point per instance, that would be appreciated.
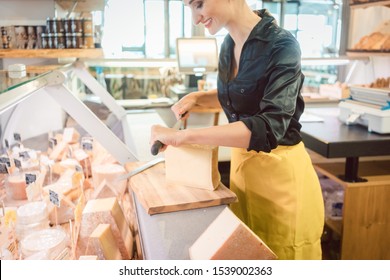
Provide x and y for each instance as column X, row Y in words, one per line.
column 196, row 57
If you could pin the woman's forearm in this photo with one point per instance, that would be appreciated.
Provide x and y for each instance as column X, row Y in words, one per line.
column 208, row 98
column 229, row 135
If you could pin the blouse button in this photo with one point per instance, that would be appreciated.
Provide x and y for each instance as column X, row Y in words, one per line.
column 242, row 90
column 228, row 103
column 234, row 116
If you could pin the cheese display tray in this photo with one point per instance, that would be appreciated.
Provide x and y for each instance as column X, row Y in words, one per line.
column 156, row 196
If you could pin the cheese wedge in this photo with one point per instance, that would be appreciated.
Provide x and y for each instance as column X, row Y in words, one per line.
column 109, row 173
column 102, row 244
column 228, row 238
column 88, row 258
column 192, row 166
column 105, row 211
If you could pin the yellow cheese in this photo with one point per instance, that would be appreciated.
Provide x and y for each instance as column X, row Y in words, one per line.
column 192, row 166
column 228, row 238
column 88, row 258
column 105, row 211
column 102, row 243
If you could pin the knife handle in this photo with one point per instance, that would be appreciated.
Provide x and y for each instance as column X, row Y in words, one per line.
column 157, row 145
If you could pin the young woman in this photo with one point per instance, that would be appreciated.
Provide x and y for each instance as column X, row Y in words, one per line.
column 259, row 84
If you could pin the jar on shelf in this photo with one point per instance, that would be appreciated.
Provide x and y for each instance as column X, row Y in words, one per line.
column 50, row 25
column 77, row 40
column 87, row 26
column 68, row 25
column 77, row 25
column 58, row 25
column 69, row 40
column 89, row 41
column 60, row 41
column 51, row 40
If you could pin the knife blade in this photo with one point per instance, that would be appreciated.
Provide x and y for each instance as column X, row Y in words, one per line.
column 157, row 145
column 139, row 169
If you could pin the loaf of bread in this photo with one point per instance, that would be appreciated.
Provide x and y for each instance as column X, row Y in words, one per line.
column 373, row 41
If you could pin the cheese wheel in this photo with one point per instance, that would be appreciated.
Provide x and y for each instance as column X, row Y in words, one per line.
column 228, row 238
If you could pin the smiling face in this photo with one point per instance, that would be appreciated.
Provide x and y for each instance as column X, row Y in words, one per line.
column 213, row 14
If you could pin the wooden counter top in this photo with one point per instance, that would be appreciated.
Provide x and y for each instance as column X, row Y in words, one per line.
column 156, row 196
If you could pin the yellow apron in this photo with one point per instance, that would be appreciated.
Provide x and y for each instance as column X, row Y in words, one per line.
column 280, row 199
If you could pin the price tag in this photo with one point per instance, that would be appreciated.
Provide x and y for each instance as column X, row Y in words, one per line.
column 87, row 143
column 52, row 143
column 18, row 163
column 30, row 178
column 5, row 160
column 24, row 154
column 54, row 198
column 17, row 137
column 3, row 168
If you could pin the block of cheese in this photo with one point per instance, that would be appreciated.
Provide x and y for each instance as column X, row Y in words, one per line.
column 192, row 166
column 102, row 244
column 88, row 258
column 105, row 211
column 228, row 238
column 84, row 159
column 105, row 190
column 109, row 173
column 70, row 135
column 16, row 186
column 58, row 151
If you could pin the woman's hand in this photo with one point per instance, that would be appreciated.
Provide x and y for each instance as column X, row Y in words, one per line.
column 167, row 136
column 184, row 105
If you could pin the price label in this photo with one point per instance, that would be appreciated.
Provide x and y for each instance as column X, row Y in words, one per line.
column 17, row 137
column 3, row 168
column 5, row 160
column 30, row 178
column 18, row 163
column 54, row 198
column 87, row 143
column 52, row 143
column 24, row 154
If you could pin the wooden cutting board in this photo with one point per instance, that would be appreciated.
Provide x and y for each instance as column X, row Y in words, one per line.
column 156, row 196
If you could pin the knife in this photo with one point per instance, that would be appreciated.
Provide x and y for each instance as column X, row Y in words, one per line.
column 157, row 145
column 140, row 169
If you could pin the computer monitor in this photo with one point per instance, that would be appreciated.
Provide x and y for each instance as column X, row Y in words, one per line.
column 196, row 57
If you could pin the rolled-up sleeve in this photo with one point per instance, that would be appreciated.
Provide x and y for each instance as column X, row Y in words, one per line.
column 277, row 107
